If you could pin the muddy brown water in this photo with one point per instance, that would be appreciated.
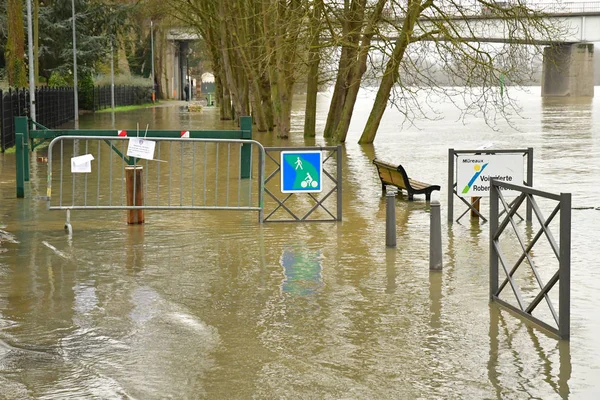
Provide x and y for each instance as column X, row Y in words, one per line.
column 213, row 305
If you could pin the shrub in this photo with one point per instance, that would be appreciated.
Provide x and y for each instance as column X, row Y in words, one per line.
column 85, row 91
column 57, row 80
column 129, row 80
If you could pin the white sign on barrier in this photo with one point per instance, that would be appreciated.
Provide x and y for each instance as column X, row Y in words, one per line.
column 141, row 148
column 81, row 164
column 474, row 172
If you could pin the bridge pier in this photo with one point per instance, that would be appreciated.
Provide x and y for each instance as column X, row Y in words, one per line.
column 568, row 71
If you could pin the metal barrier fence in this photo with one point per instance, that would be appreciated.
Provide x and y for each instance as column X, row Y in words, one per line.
column 54, row 106
column 27, row 139
column 13, row 103
column 304, row 207
column 561, row 250
column 185, row 174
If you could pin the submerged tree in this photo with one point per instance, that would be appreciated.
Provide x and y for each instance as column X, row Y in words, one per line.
column 455, row 35
column 254, row 45
column 260, row 48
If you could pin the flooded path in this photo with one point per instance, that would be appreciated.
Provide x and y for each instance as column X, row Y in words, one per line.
column 211, row 305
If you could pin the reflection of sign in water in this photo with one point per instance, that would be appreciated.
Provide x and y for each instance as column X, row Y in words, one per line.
column 302, row 270
column 301, row 171
column 474, row 172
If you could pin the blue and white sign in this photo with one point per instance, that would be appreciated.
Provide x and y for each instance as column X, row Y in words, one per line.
column 301, row 171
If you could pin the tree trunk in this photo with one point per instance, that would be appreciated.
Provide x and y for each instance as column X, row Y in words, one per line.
column 285, row 118
column 15, row 48
column 339, row 93
column 312, row 84
column 356, row 74
column 267, row 102
column 229, row 70
column 391, row 74
column 353, row 21
column 275, row 88
column 258, row 113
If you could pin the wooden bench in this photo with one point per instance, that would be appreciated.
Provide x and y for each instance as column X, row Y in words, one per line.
column 395, row 175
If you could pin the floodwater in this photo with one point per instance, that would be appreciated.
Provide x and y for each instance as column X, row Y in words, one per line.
column 212, row 305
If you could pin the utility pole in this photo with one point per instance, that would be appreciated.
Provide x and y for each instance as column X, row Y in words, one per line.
column 75, row 99
column 152, row 61
column 112, row 77
column 31, row 64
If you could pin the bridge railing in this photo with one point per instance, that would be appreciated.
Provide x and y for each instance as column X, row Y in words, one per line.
column 566, row 7
column 476, row 9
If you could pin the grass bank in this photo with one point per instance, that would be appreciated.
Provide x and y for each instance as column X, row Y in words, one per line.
column 128, row 108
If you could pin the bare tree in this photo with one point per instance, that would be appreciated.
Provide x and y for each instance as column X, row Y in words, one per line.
column 454, row 34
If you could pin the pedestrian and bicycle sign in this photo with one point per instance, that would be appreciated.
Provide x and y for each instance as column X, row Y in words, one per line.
column 301, row 171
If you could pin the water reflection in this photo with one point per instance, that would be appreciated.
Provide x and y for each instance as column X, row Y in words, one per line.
column 508, row 340
column 390, row 270
column 435, row 300
column 134, row 259
column 302, row 271
column 558, row 114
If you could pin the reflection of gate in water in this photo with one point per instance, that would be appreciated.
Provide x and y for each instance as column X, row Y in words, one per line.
column 185, row 174
column 303, row 207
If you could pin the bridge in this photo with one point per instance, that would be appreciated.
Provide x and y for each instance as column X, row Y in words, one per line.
column 568, row 68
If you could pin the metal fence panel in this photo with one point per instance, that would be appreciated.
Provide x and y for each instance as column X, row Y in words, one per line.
column 500, row 257
column 54, row 106
column 185, row 174
column 304, row 207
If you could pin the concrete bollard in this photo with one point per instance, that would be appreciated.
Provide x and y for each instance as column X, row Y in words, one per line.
column 435, row 237
column 390, row 217
column 135, row 190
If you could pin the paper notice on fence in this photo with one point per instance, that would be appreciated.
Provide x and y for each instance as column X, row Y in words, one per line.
column 141, row 148
column 81, row 164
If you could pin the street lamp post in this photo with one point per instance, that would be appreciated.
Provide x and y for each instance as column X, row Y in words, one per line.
column 75, row 99
column 152, row 61
column 31, row 66
column 112, row 77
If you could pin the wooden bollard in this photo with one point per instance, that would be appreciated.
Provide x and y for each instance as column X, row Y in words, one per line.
column 135, row 216
column 475, row 202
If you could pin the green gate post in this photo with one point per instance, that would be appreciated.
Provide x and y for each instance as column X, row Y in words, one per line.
column 21, row 126
column 246, row 159
column 20, row 165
